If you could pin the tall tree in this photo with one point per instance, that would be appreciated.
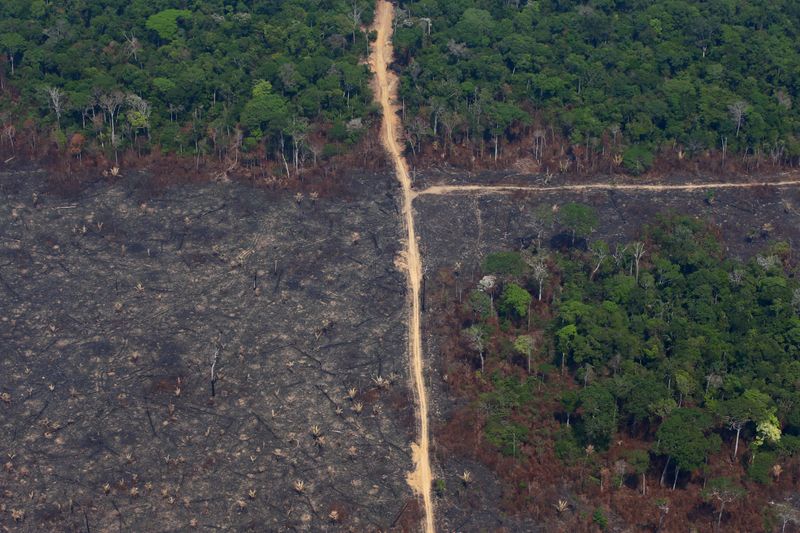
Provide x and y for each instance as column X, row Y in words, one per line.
column 56, row 100
column 750, row 406
column 684, row 439
column 524, row 345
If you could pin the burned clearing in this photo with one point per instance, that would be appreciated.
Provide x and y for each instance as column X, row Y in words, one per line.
column 116, row 305
column 114, row 309
column 458, row 230
column 462, row 228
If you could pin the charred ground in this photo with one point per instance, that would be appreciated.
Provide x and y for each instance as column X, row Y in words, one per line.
column 113, row 305
column 115, row 301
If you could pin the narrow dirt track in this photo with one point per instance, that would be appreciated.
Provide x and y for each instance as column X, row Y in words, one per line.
column 420, row 479
column 507, row 189
column 386, row 85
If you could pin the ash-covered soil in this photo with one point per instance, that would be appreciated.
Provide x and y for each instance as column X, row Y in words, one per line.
column 457, row 232
column 462, row 228
column 112, row 308
column 114, row 303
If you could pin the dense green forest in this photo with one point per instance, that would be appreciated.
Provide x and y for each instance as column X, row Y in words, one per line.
column 575, row 83
column 281, row 80
column 689, row 357
column 620, row 78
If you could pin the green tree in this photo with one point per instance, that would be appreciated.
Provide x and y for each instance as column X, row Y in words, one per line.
column 750, row 406
column 639, row 460
column 266, row 112
column 12, row 44
column 481, row 304
column 502, row 115
column 506, row 263
column 515, row 300
column 684, row 439
column 599, row 414
column 165, row 23
column 599, row 518
column 570, row 400
column 580, row 219
column 477, row 336
column 524, row 345
column 566, row 338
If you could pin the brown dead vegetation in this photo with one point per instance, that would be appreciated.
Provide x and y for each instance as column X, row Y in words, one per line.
column 533, row 484
column 543, row 151
column 77, row 166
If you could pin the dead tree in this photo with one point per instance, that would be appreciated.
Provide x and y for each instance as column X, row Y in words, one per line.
column 132, row 45
column 56, row 100
column 539, row 139
column 355, row 17
column 787, row 512
column 663, row 511
column 738, row 110
column 10, row 132
column 540, row 274
column 600, row 252
column 214, row 360
column 724, row 491
column 620, row 253
column 638, row 253
column 298, row 129
column 476, row 337
column 111, row 104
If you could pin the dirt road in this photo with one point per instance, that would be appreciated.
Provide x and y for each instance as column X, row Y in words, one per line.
column 386, row 85
column 506, row 189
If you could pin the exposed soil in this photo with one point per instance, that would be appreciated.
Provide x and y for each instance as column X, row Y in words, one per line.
column 446, row 176
column 458, row 230
column 420, row 479
column 113, row 308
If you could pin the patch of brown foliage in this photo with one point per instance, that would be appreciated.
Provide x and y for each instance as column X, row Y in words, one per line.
column 559, row 156
column 79, row 165
column 535, row 481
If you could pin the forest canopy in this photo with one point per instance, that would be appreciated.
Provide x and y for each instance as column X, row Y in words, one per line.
column 205, row 77
column 608, row 76
column 665, row 341
column 614, row 81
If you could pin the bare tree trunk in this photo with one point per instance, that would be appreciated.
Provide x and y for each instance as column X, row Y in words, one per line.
column 664, row 472
column 529, row 328
column 719, row 518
